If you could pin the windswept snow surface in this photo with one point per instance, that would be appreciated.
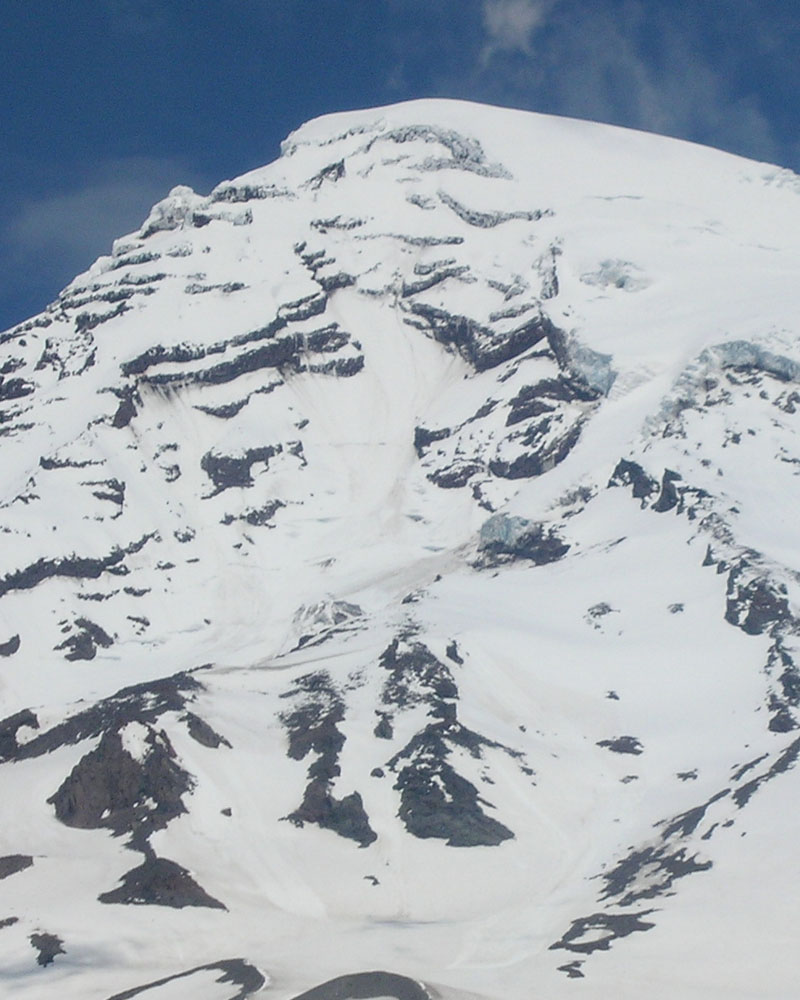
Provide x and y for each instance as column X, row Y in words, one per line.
column 400, row 571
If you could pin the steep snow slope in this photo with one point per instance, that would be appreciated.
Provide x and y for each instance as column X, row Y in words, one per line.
column 399, row 571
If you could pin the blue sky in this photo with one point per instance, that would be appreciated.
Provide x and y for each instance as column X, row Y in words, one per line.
column 107, row 104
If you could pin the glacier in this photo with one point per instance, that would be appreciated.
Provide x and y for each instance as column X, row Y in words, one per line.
column 400, row 578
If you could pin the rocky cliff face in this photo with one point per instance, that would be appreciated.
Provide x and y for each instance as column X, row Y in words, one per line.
column 399, row 570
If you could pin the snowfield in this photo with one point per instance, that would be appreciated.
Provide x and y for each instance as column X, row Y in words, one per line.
column 400, row 579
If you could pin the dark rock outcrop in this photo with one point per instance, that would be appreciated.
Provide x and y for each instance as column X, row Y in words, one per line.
column 13, row 863
column 73, row 566
column 424, row 438
column 756, row 605
column 125, row 412
column 313, row 728
column 662, row 866
column 487, row 220
column 465, row 153
column 235, row 971
column 226, row 471
column 435, row 800
column 622, row 744
column 202, row 733
column 669, row 497
column 9, row 747
column 503, row 538
column 632, row 474
column 14, row 388
column 134, row 795
column 143, row 703
column 785, row 760
column 612, row 926
column 481, row 346
column 10, row 647
column 83, row 644
column 366, row 986
column 160, row 882
column 48, row 947
column 535, row 400
column 332, row 173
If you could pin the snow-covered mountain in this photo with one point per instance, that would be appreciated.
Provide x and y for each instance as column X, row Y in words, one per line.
column 400, row 570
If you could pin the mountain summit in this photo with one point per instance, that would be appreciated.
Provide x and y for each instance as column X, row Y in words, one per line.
column 400, row 570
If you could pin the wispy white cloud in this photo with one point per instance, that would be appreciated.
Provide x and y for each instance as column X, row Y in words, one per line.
column 672, row 87
column 53, row 237
column 630, row 63
column 511, row 24
column 83, row 221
